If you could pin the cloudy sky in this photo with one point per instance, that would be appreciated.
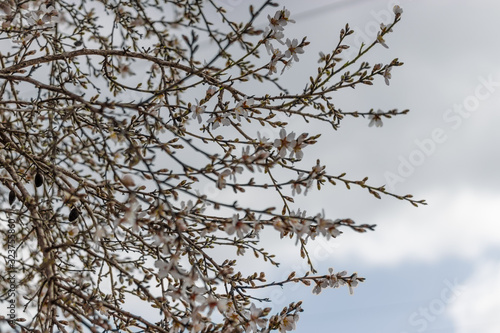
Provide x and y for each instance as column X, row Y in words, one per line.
column 429, row 269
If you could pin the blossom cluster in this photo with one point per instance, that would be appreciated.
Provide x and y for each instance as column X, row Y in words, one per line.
column 30, row 15
column 241, row 109
column 288, row 142
column 380, row 39
column 336, row 280
column 304, row 227
column 274, row 32
column 303, row 180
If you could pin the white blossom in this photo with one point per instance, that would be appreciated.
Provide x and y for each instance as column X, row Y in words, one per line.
column 284, row 143
column 197, row 111
column 293, row 49
column 241, row 108
column 73, row 231
column 353, row 283
column 42, row 17
column 237, row 226
column 284, row 17
column 272, row 67
column 384, row 27
column 263, row 141
column 212, row 303
column 296, row 187
column 255, row 321
column 218, row 118
column 297, row 146
column 387, row 75
column 163, row 268
column 247, row 157
column 211, row 90
column 274, row 22
column 270, row 35
column 376, row 119
column 317, row 169
column 381, row 40
column 221, row 179
column 288, row 323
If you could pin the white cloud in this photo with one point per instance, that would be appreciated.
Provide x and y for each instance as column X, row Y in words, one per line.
column 477, row 308
column 463, row 225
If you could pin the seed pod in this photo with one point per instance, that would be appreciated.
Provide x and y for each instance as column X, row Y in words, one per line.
column 12, row 197
column 38, row 180
column 73, row 215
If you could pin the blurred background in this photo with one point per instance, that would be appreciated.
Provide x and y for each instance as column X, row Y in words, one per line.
column 434, row 268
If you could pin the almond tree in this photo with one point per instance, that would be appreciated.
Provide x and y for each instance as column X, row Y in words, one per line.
column 116, row 116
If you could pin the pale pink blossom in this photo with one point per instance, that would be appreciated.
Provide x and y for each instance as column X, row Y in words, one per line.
column 272, row 66
column 241, row 108
column 197, row 111
column 237, row 226
column 326, row 227
column 296, row 187
column 297, row 146
column 212, row 303
column 353, row 283
column 128, row 180
column 269, row 36
column 73, row 232
column 381, row 40
column 317, row 169
column 284, row 143
column 293, row 49
column 284, row 17
column 255, row 321
column 219, row 118
column 288, row 323
column 163, row 268
column 211, row 90
column 387, row 75
column 221, row 179
column 376, row 119
column 42, row 17
column 275, row 22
